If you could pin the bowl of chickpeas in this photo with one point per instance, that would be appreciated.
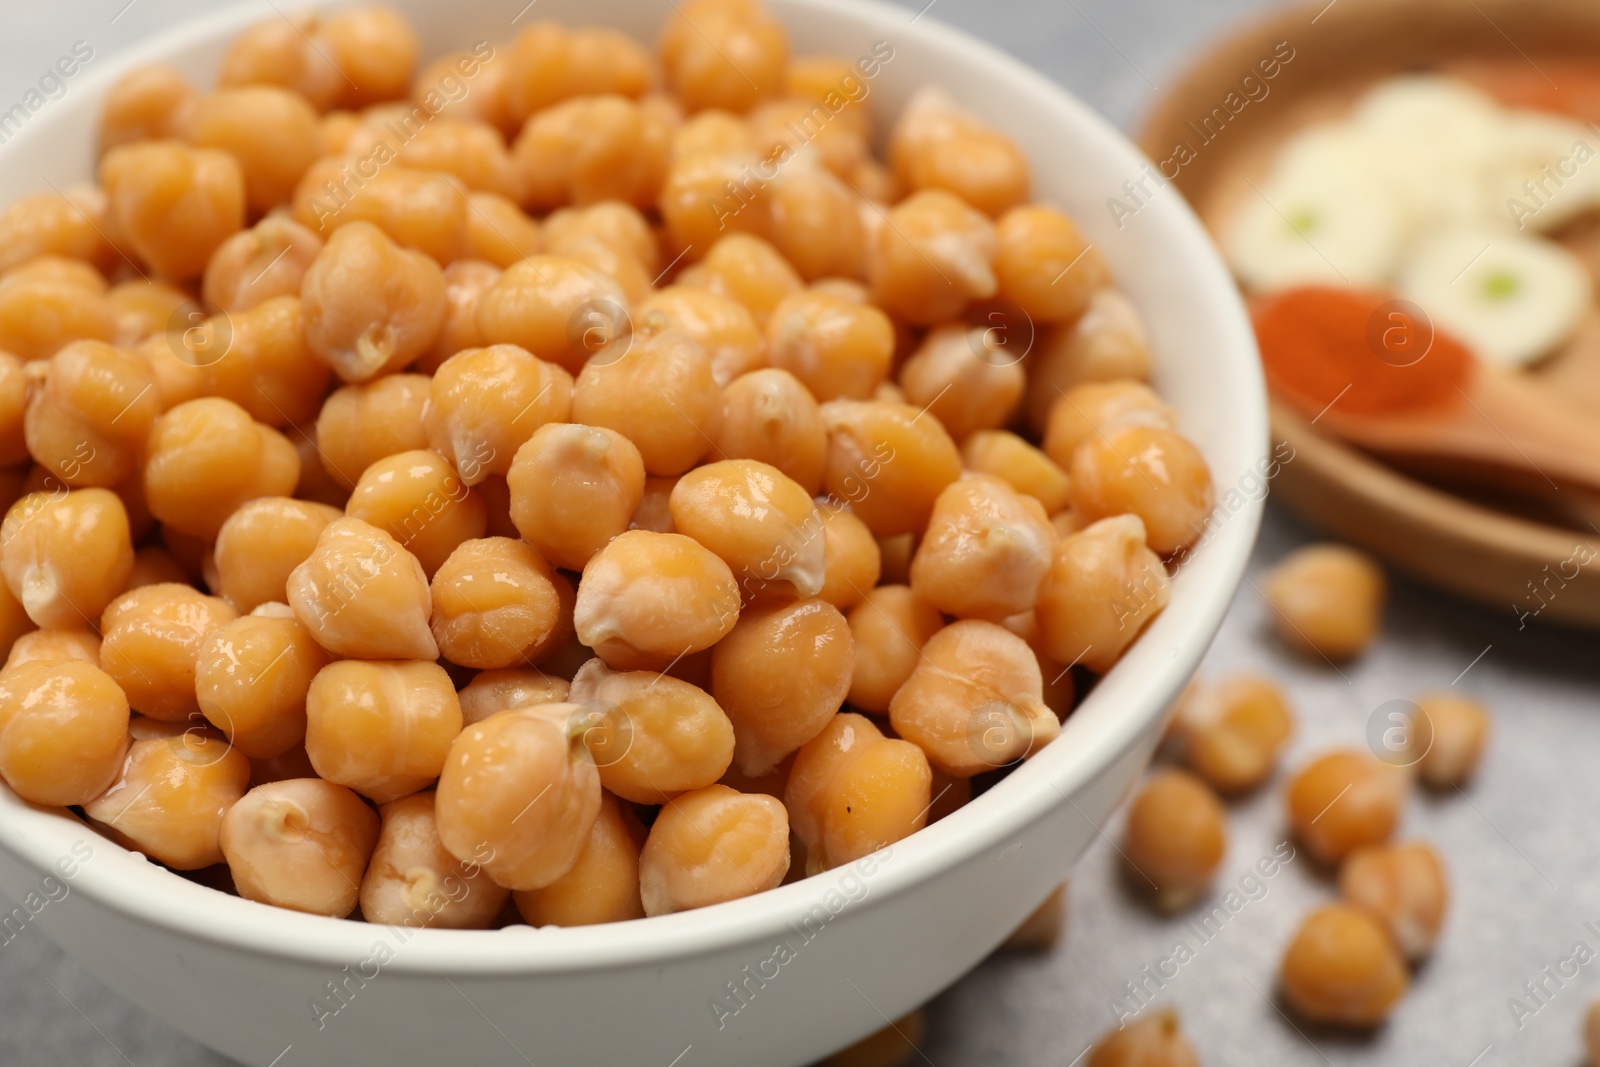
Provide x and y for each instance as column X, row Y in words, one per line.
column 695, row 513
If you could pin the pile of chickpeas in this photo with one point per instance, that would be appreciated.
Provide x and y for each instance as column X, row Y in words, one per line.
column 569, row 482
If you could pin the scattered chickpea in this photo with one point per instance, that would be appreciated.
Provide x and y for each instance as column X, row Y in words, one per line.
column 1044, row 927
column 251, row 678
column 647, row 598
column 1405, row 887
column 889, row 628
column 603, row 885
column 1175, row 839
column 1103, row 587
column 412, row 881
column 497, row 603
column 1591, row 1034
column 713, row 845
column 1458, row 729
column 66, row 555
column 1343, row 968
column 573, row 489
column 367, row 421
column 63, row 731
column 1345, row 800
column 300, row 843
column 1153, row 1041
column 1231, row 733
column 985, row 551
column 362, row 595
column 1327, row 599
column 171, row 798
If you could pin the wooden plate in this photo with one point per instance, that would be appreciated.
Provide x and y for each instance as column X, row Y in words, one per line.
column 1493, row 553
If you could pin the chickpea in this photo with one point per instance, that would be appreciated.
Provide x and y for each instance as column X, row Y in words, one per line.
column 1327, row 599
column 605, row 60
column 1457, row 729
column 361, row 594
column 171, row 798
column 497, row 603
column 153, row 564
column 66, row 555
column 1043, row 929
column 494, row 691
column 152, row 639
column 49, row 302
column 986, row 549
column 1153, row 1041
column 713, row 132
column 1044, row 265
column 801, row 129
column 301, row 843
column 1231, row 733
column 371, row 306
column 761, row 522
column 54, row 646
column 89, row 417
column 710, row 846
column 261, row 543
column 747, row 269
column 654, row 512
column 1026, row 469
column 657, row 390
column 888, row 461
column 382, row 729
column 149, row 103
column 269, row 370
column 420, row 210
column 1345, row 800
column 1106, row 343
column 1103, row 587
column 484, row 403
column 278, row 51
column 816, row 222
column 268, row 260
column 647, row 598
column 603, row 885
column 936, row 145
column 469, row 86
column 1342, row 968
column 465, row 282
column 558, row 309
column 893, row 1046
column 412, row 881
column 781, row 674
column 930, row 258
column 853, row 791
column 420, row 501
column 836, row 347
column 364, row 422
column 834, row 80
column 1098, row 409
column 63, row 731
column 889, row 629
column 375, row 48
column 574, row 488
column 271, row 132
column 768, row 415
column 475, row 152
column 251, row 678
column 292, row 764
column 206, row 457
column 710, row 192
column 143, row 308
column 964, row 380
column 652, row 736
column 173, row 204
column 728, row 54
column 1148, row 471
column 1402, row 885
column 852, row 562
column 593, row 148
column 519, row 795
column 540, row 70
column 14, row 621
column 1176, row 836
column 69, row 223
column 719, row 324
column 615, row 224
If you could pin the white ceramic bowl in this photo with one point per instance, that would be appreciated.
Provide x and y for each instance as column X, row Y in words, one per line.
column 859, row 945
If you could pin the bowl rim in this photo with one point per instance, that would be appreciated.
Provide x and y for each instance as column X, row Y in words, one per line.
column 1120, row 711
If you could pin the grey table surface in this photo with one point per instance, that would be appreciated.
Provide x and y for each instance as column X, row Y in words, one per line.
column 1520, row 842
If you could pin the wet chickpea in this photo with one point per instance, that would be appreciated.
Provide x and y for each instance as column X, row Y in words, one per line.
column 761, row 522
column 292, row 764
column 852, row 791
column 1404, row 886
column 470, row 86
column 1044, row 265
column 88, row 418
column 271, row 132
column 173, row 204
column 711, row 846
column 66, row 555
column 1231, row 733
column 647, row 598
column 1104, row 585
column 728, row 54
column 1343, row 801
column 605, row 60
column 975, row 700
column 498, row 232
column 277, row 51
column 49, row 302
column 618, row 264
column 655, row 506
column 1154, row 473
column 986, row 549
column 69, row 223
column 153, row 564
column 713, row 132
column 695, row 201
column 749, row 270
column 420, row 210
column 1176, row 836
column 1152, row 1041
column 815, row 220
column 519, row 795
column 540, row 303
column 268, row 369
column 888, row 462
column 540, row 70
column 418, row 498
column 375, row 47
column 1099, row 409
column 63, row 731
column 593, row 148
column 465, row 282
column 656, row 389
column 1106, row 343
column 145, row 307
column 171, row 798
column 768, row 415
column 1026, row 469
column 206, row 457
column 176, row 360
column 261, row 543
column 652, row 736
column 251, row 679
column 930, row 258
column 836, row 347
column 852, row 562
column 149, row 103
column 484, row 403
column 475, row 152
column 152, row 639
column 495, row 691
column 54, row 646
column 603, row 885
column 1342, row 968
column 270, row 259
column 367, row 421
column 370, row 305
column 936, row 145
column 889, row 629
column 497, row 603
column 361, row 594
column 412, row 881
column 1458, row 727
column 382, row 729
column 1327, row 599
column 14, row 621
column 964, row 380
column 617, row 225
column 831, row 79
column 574, row 488
column 780, row 675
column 301, row 843
column 719, row 324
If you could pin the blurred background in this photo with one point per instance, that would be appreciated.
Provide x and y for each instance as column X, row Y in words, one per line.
column 1523, row 855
